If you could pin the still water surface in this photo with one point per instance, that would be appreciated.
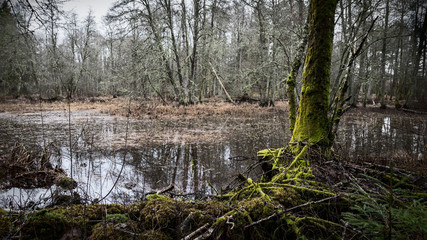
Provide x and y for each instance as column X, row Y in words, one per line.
column 195, row 154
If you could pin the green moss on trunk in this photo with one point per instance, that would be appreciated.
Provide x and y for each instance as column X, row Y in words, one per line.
column 312, row 124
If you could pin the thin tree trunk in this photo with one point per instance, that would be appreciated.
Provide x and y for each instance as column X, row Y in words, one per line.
column 383, row 56
column 157, row 38
column 183, row 88
column 194, row 55
column 291, row 81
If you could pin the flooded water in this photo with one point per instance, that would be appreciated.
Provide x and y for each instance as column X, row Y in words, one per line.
column 192, row 154
column 197, row 155
column 383, row 137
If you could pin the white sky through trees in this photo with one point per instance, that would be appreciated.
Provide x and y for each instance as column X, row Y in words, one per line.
column 81, row 8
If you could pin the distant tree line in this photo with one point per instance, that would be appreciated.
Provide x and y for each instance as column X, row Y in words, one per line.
column 190, row 50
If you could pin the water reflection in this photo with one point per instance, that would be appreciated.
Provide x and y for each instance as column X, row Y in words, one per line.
column 192, row 154
column 380, row 138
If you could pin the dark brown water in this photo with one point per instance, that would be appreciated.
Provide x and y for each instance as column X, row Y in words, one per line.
column 192, row 154
column 384, row 137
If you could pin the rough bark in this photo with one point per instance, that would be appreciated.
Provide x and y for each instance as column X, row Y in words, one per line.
column 312, row 120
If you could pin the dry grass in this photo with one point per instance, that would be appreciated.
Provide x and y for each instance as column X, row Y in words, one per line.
column 23, row 105
column 146, row 108
column 209, row 109
column 22, row 168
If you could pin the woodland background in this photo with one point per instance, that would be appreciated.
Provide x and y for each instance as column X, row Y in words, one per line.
column 183, row 51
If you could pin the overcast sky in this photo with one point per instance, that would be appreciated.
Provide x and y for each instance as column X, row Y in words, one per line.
column 81, row 7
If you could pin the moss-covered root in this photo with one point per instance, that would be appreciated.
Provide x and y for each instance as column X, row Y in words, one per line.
column 298, row 169
column 260, row 219
column 286, row 167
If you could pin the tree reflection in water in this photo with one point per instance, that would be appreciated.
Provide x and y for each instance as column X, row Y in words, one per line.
column 192, row 154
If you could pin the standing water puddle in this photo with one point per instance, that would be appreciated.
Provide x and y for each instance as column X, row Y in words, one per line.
column 194, row 154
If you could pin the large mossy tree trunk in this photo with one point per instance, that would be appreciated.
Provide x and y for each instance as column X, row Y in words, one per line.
column 312, row 123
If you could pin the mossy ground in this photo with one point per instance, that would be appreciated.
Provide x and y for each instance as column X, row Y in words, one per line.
column 159, row 218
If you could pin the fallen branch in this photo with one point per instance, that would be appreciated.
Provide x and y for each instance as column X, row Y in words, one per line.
column 290, row 209
column 162, row 191
column 220, row 83
column 166, row 189
column 199, row 230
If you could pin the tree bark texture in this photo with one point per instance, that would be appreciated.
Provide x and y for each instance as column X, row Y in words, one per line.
column 312, row 124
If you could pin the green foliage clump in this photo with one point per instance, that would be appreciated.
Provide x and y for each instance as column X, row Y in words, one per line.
column 160, row 214
column 134, row 210
column 288, row 197
column 257, row 207
column 386, row 215
column 213, row 208
column 156, row 196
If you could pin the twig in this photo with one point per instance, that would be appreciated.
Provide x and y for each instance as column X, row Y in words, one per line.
column 199, row 230
column 290, row 209
column 411, row 111
column 124, row 156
